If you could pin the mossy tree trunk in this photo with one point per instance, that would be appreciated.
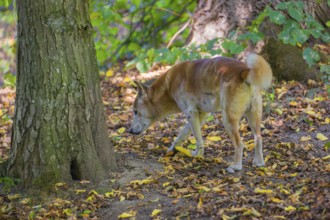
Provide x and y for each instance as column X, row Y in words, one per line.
column 59, row 130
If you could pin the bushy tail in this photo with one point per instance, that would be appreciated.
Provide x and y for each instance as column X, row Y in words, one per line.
column 260, row 73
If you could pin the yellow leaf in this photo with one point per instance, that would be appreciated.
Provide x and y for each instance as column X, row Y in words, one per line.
column 122, row 198
column 204, row 188
column 278, row 217
column 127, row 214
column 200, row 203
column 263, row 191
column 214, row 138
column 60, row 184
column 166, row 184
column 293, row 174
column 305, row 138
column 155, row 212
column 141, row 182
column 14, row 196
column 318, row 98
column 109, row 73
column 192, row 141
column 26, row 201
column 326, row 157
column 121, row 130
column 290, row 208
column 184, row 151
column 276, row 200
column 284, row 191
column 252, row 212
column 327, row 120
column 293, row 103
column 321, row 137
column 235, row 180
column 78, row 191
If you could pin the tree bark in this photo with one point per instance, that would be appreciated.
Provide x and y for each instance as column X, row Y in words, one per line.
column 59, row 130
column 216, row 19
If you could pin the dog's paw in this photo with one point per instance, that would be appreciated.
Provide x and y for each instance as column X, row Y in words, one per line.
column 258, row 162
column 233, row 168
column 197, row 153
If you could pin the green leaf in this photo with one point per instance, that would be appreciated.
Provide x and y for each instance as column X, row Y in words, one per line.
column 142, row 66
column 9, row 80
column 277, row 17
column 325, row 69
column 282, row 5
column 328, row 23
column 232, row 47
column 285, row 37
column 300, row 35
column 252, row 36
column 311, row 56
column 295, row 13
column 316, row 32
column 326, row 37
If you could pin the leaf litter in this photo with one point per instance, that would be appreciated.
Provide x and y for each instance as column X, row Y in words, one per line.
column 294, row 184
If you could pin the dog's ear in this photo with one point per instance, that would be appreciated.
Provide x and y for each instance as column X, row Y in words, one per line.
column 142, row 89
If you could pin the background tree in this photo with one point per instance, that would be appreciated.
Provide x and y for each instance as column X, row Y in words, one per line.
column 59, row 130
column 217, row 19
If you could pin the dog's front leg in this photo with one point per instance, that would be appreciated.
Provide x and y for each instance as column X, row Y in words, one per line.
column 184, row 133
column 194, row 122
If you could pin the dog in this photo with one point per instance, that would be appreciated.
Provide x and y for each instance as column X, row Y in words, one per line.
column 200, row 87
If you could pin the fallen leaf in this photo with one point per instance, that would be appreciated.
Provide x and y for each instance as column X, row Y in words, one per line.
column 305, row 138
column 290, row 208
column 276, row 200
column 184, row 151
column 155, row 212
column 204, row 188
column 127, row 214
column 214, row 138
column 121, row 130
column 200, row 203
column 263, row 191
column 321, row 137
column 141, row 182
column 326, row 157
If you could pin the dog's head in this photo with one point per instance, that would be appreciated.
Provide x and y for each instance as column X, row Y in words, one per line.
column 144, row 110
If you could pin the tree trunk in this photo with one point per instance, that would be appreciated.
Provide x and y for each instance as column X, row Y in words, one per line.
column 217, row 18
column 59, row 130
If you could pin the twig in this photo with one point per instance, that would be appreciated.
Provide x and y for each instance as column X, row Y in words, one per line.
column 178, row 32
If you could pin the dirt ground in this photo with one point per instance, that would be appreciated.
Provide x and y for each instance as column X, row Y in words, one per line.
column 294, row 184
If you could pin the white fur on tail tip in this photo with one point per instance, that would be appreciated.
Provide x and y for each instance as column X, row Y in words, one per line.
column 261, row 73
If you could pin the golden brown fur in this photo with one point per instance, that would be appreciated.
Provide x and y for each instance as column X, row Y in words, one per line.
column 199, row 87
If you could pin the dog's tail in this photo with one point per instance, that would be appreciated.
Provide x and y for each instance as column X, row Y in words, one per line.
column 260, row 73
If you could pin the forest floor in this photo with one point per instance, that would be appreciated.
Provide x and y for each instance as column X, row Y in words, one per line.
column 294, row 184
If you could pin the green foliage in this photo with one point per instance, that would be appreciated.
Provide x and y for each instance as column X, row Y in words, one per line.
column 5, row 3
column 7, row 183
column 297, row 28
column 125, row 29
column 9, row 80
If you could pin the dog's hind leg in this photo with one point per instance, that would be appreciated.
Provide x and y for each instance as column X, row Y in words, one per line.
column 254, row 118
column 231, row 123
column 186, row 131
